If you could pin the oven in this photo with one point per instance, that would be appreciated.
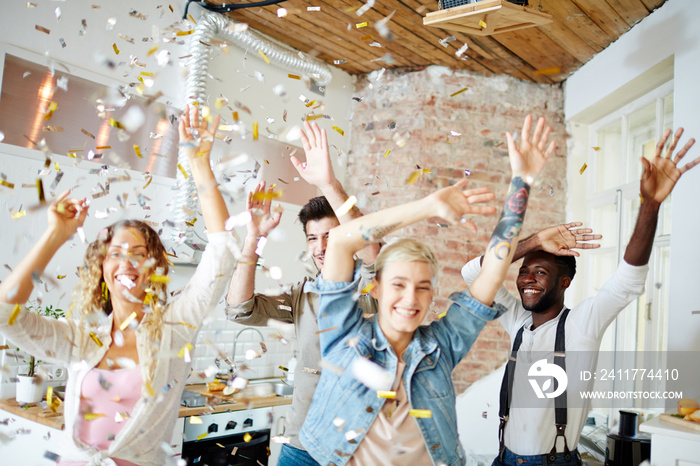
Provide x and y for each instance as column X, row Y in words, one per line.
column 227, row 439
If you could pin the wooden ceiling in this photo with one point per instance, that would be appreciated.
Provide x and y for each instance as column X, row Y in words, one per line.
column 545, row 54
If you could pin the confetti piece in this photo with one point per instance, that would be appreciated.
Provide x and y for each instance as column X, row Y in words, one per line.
column 281, row 12
column 583, row 169
column 200, row 437
column 91, row 416
column 386, row 394
column 545, row 71
column 596, row 148
column 461, row 50
column 53, row 106
column 264, row 57
column 187, row 325
column 367, row 289
column 182, row 170
column 386, row 154
column 137, row 150
column 313, row 117
column 185, row 349
column 247, row 437
column 13, row 316
column 279, row 439
column 413, row 177
column 485, row 415
column 283, row 368
column 310, row 103
column 342, row 133
column 313, row 8
column 293, row 76
column 115, row 124
column 149, row 389
column 440, row 316
column 326, row 330
column 367, row 37
column 459, row 92
column 340, row 62
column 160, row 278
column 40, row 190
column 7, row 184
column 482, row 23
column 347, row 205
column 195, row 420
column 19, row 214
column 362, row 25
column 422, row 413
column 95, row 339
column 127, row 321
column 42, row 29
column 116, row 49
column 641, row 198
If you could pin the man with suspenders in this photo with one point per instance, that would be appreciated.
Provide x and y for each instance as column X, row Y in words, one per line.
column 540, row 323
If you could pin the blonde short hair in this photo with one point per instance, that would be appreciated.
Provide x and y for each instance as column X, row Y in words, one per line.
column 405, row 250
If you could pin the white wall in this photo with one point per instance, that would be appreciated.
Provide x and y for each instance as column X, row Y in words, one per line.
column 671, row 30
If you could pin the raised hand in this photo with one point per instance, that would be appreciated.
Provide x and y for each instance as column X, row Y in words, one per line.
column 454, row 203
column 561, row 240
column 258, row 204
column 318, row 169
column 67, row 214
column 662, row 173
column 528, row 158
column 197, row 137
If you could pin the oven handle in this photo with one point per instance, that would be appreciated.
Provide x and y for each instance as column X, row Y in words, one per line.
column 253, row 442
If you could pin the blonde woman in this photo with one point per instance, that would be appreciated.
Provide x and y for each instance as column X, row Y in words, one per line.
column 386, row 394
column 125, row 378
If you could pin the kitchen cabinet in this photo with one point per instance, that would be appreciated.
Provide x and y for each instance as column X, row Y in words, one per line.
column 671, row 444
column 279, row 423
column 25, row 442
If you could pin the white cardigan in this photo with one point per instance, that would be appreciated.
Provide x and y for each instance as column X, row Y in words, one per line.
column 153, row 419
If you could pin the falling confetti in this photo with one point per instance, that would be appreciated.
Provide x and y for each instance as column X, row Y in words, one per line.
column 116, row 49
column 53, row 106
column 421, row 413
column 42, row 29
column 13, row 316
column 482, row 23
column 264, row 57
column 386, row 394
column 347, row 206
column 583, row 169
column 386, row 154
column 362, row 25
column 459, row 92
column 546, row 71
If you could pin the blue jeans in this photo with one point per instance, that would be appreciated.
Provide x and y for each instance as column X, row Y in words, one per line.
column 511, row 459
column 290, row 456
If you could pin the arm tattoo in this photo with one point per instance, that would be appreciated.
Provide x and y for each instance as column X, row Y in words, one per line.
column 378, row 232
column 511, row 221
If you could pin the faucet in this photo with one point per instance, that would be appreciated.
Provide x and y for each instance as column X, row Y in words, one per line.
column 233, row 369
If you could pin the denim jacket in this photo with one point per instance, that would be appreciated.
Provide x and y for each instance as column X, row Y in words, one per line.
column 430, row 357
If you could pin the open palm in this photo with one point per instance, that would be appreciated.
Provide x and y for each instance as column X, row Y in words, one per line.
column 662, row 173
column 258, row 204
column 528, row 158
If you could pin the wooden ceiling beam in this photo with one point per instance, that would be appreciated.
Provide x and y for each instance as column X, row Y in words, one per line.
column 631, row 11
column 604, row 16
column 570, row 15
column 653, row 4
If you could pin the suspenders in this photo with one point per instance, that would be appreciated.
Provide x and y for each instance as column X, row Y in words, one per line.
column 559, row 402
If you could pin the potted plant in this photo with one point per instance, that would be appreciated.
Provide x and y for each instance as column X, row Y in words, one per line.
column 30, row 388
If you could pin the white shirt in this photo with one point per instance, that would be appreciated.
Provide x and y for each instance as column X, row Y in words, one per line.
column 153, row 418
column 531, row 431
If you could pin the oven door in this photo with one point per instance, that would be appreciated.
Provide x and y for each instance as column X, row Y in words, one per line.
column 232, row 450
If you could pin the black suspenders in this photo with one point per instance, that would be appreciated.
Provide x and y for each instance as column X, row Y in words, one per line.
column 559, row 402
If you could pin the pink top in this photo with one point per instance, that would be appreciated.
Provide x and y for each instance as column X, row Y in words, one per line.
column 107, row 399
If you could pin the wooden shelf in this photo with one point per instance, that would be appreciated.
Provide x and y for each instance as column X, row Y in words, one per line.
column 487, row 17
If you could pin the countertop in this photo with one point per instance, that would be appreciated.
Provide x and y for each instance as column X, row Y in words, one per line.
column 236, row 403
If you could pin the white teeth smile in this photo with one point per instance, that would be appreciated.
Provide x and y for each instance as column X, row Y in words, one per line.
column 127, row 280
column 406, row 312
column 531, row 292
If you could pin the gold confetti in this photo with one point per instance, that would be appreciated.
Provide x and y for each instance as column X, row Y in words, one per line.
column 49, row 394
column 13, row 316
column 53, row 106
column 114, row 123
column 42, row 29
column 40, row 189
column 184, row 33
column 386, row 394
column 283, row 368
column 367, row 37
column 482, row 23
column 149, row 389
column 195, row 420
column 310, row 103
column 641, row 198
column 255, row 131
column 182, row 170
column 347, row 205
column 60, row 277
column 440, row 316
column 153, row 50
column 420, row 413
column 91, row 416
column 386, row 154
column 414, row 177
column 103, row 147
column 200, row 437
column 326, row 330
column 368, row 288
column 362, row 25
column 116, row 49
column 265, row 196
column 247, row 437
column 293, row 76
column 596, row 148
column 95, row 339
column 264, row 57
column 53, row 129
column 160, row 278
column 150, row 178
column 19, row 214
column 342, row 133
column 313, row 117
column 181, row 322
column 127, row 321
column 188, row 347
column 56, row 167
column 7, row 184
column 459, row 92
column 583, row 169
column 552, row 70
column 86, row 133
column 191, row 19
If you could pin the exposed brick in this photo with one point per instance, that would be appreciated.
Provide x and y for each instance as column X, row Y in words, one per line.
column 420, row 104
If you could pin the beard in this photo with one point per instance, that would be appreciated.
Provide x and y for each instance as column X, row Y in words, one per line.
column 545, row 302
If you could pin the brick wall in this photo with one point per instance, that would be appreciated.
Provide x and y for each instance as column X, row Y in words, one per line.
column 412, row 113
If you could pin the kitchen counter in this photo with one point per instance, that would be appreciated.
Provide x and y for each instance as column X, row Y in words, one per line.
column 236, row 403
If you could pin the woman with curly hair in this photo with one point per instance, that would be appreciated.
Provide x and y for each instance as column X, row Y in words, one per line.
column 125, row 378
